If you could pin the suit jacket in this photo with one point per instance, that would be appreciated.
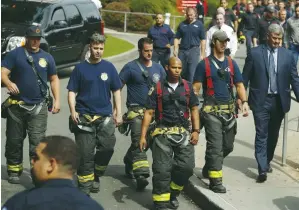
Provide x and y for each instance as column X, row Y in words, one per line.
column 256, row 73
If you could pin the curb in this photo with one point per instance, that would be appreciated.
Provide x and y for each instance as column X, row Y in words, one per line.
column 198, row 190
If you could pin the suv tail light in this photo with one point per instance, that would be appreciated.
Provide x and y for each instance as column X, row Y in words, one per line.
column 102, row 27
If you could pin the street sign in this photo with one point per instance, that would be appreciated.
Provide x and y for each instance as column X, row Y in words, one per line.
column 182, row 4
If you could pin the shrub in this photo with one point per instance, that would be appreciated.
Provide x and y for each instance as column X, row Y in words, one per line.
column 139, row 22
column 115, row 19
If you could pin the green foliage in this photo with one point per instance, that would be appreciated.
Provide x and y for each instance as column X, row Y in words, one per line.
column 115, row 46
column 139, row 22
column 115, row 19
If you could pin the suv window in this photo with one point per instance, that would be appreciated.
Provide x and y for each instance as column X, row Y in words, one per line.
column 90, row 12
column 24, row 12
column 58, row 15
column 72, row 15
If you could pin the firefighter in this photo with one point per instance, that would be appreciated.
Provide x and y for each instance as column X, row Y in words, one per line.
column 89, row 97
column 172, row 143
column 25, row 72
column 218, row 74
column 139, row 75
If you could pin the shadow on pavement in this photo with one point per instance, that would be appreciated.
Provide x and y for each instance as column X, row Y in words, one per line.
column 276, row 160
column 143, row 198
column 25, row 177
column 242, row 164
column 287, row 203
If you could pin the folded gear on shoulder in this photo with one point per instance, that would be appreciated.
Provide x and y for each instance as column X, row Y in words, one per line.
column 133, row 112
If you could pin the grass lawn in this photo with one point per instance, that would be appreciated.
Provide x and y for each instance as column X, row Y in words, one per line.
column 115, row 46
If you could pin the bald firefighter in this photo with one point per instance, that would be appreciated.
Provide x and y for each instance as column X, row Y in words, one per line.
column 172, row 142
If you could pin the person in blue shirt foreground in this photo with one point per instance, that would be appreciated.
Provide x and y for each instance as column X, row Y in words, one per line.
column 54, row 163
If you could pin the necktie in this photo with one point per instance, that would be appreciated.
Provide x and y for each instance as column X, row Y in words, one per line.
column 272, row 73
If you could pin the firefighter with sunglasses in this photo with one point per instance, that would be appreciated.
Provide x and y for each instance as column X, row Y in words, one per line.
column 218, row 74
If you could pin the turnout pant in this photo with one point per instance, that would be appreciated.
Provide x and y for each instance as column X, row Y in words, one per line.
column 173, row 165
column 190, row 59
column 94, row 163
column 220, row 138
column 161, row 55
column 134, row 158
column 18, row 124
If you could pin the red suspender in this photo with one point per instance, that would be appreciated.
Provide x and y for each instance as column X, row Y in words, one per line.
column 187, row 92
column 210, row 86
column 231, row 68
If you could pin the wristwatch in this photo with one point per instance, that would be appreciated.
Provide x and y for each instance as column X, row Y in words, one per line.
column 196, row 130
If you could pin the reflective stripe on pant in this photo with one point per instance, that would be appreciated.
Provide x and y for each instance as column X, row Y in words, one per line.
column 16, row 133
column 134, row 158
column 172, row 167
column 219, row 143
column 90, row 163
column 190, row 59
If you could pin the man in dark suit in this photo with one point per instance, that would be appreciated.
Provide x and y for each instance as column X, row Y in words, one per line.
column 270, row 70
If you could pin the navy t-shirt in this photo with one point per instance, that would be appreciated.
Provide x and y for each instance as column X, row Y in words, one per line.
column 137, row 85
column 190, row 34
column 93, row 84
column 220, row 86
column 23, row 76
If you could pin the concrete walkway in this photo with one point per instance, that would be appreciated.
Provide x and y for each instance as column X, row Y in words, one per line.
column 279, row 192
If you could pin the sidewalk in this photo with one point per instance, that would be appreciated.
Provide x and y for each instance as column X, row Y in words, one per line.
column 279, row 192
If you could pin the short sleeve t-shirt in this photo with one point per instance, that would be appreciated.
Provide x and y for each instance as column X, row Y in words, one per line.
column 23, row 76
column 93, row 84
column 138, row 84
column 221, row 86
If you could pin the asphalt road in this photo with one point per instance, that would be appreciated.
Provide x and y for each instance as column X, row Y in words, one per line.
column 117, row 192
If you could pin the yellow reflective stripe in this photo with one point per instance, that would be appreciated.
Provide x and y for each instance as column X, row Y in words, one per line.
column 12, row 101
column 86, row 178
column 174, row 186
column 162, row 197
column 15, row 168
column 100, row 168
column 168, row 131
column 215, row 174
column 90, row 119
column 132, row 114
column 140, row 164
column 222, row 108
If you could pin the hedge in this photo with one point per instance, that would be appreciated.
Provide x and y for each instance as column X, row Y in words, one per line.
column 115, row 19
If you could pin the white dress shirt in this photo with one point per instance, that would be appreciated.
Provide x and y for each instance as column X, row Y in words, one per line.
column 232, row 44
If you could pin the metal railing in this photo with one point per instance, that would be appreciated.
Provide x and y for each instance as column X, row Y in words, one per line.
column 285, row 136
column 172, row 20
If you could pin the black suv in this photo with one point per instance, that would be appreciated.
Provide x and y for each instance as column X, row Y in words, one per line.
column 66, row 26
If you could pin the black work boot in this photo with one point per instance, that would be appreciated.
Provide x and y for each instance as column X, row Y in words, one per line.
column 205, row 172
column 216, row 185
column 14, row 178
column 141, row 183
column 165, row 205
column 174, row 202
column 95, row 188
column 129, row 172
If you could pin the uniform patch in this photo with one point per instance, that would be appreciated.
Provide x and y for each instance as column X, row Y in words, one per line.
column 151, row 90
column 42, row 62
column 156, row 78
column 104, row 76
